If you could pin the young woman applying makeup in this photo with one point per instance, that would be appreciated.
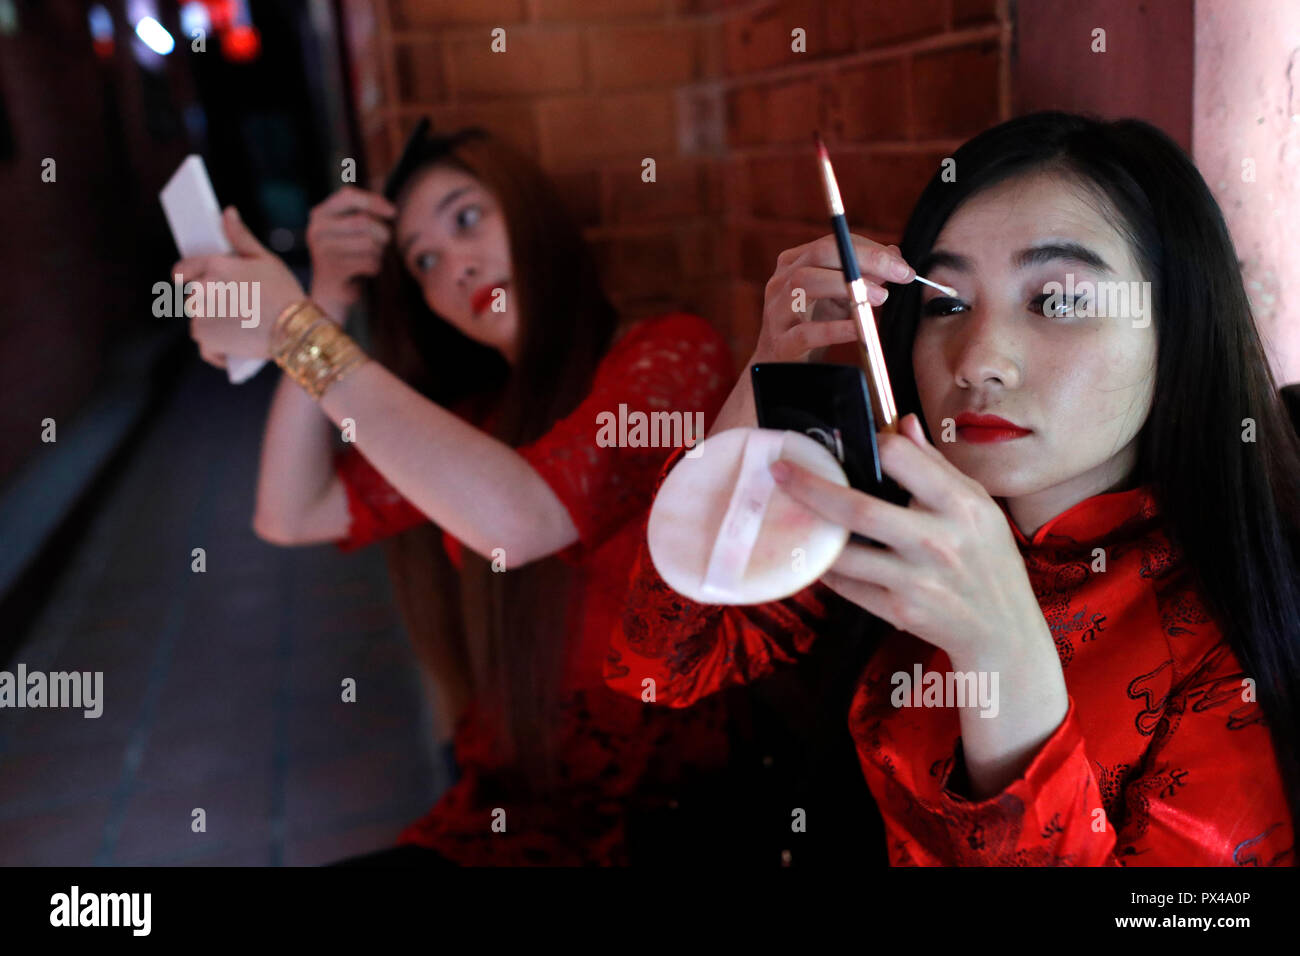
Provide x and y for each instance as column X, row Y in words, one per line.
column 479, row 413
column 1109, row 523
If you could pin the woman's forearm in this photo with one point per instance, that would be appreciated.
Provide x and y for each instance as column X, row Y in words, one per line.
column 296, row 469
column 475, row 487
column 738, row 410
column 1031, row 702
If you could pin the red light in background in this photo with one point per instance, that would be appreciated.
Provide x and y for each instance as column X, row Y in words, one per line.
column 241, row 44
column 221, row 13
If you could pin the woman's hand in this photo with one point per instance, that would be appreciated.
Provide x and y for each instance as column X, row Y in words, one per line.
column 346, row 236
column 270, row 288
column 789, row 335
column 947, row 569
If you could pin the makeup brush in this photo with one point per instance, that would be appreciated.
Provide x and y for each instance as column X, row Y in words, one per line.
column 871, row 354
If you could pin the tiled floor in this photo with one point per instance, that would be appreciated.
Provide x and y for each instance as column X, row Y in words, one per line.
column 222, row 689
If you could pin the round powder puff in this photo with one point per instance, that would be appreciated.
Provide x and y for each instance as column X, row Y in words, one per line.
column 770, row 545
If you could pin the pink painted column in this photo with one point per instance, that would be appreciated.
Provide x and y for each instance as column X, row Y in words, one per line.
column 1246, row 142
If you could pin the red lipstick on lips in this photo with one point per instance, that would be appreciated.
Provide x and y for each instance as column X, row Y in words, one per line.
column 482, row 298
column 987, row 428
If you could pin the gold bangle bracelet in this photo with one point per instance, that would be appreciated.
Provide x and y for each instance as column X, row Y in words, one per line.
column 291, row 324
column 313, row 350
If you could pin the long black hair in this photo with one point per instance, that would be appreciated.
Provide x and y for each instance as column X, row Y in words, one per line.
column 1231, row 506
column 509, row 629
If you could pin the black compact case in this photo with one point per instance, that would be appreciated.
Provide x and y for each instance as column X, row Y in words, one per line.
column 829, row 403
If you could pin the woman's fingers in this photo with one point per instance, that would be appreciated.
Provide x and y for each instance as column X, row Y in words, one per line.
column 348, row 247
column 806, row 336
column 218, row 336
column 351, row 225
column 821, row 283
column 211, row 357
column 931, row 479
column 849, row 508
column 911, row 427
column 194, row 267
column 872, row 598
column 865, row 562
column 876, row 262
column 350, row 199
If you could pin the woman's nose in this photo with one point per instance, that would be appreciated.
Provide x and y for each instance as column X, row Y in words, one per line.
column 985, row 355
column 466, row 272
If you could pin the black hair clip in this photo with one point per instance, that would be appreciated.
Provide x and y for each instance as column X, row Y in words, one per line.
column 420, row 148
column 407, row 160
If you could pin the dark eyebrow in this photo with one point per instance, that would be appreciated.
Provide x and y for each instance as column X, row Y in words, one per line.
column 1034, row 255
column 1068, row 251
column 450, row 198
column 443, row 203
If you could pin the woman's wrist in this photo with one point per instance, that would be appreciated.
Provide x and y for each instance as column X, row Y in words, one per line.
column 312, row 348
column 333, row 303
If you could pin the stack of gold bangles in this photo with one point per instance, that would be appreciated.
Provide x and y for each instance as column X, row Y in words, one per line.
column 312, row 349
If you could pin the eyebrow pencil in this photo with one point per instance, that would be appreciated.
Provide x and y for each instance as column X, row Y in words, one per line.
column 870, row 352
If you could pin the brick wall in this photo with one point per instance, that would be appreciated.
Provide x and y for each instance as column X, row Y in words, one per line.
column 713, row 92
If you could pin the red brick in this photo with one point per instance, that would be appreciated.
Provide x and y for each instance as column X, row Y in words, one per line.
column 640, row 265
column 701, row 120
column 794, row 111
column 708, row 298
column 378, row 155
column 689, row 7
column 513, row 122
column 880, row 189
column 746, row 116
column 839, row 33
column 713, row 48
column 532, row 62
column 598, row 9
column 632, row 309
column 760, row 245
column 745, row 320
column 714, row 176
column 970, row 12
column 881, row 23
column 636, row 125
column 678, row 192
column 581, row 191
column 762, row 39
column 955, row 92
column 426, row 14
column 734, row 192
column 700, row 251
column 643, row 56
column 419, row 72
column 787, row 188
column 867, row 103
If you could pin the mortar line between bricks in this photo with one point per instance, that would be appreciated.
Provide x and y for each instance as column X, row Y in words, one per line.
column 200, row 522
column 818, row 66
column 881, row 148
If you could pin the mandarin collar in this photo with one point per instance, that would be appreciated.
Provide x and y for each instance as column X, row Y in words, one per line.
column 1092, row 520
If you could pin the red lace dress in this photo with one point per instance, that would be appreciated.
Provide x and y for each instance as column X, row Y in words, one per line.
column 611, row 749
column 1159, row 760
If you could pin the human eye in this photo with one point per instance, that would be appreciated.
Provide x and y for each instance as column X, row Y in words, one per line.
column 943, row 305
column 469, row 216
column 424, row 261
column 1056, row 306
